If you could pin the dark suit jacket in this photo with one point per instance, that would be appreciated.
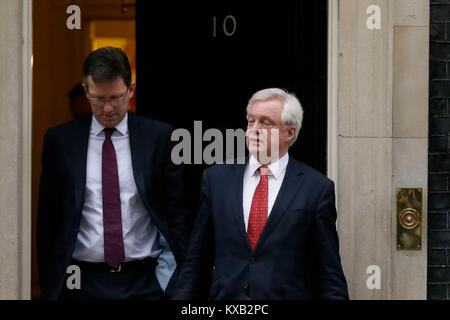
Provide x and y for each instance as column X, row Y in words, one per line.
column 296, row 257
column 62, row 189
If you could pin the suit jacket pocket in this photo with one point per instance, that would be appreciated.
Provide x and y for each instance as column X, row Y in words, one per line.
column 290, row 293
column 296, row 212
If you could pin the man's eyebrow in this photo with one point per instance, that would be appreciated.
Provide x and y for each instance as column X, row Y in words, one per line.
column 114, row 96
column 95, row 96
column 263, row 117
column 268, row 117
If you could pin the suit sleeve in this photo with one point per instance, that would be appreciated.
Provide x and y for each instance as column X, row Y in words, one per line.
column 195, row 276
column 46, row 215
column 179, row 217
column 329, row 277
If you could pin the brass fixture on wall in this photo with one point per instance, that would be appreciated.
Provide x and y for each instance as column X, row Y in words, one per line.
column 409, row 218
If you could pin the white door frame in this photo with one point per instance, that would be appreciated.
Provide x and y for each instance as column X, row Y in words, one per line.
column 332, row 96
column 25, row 207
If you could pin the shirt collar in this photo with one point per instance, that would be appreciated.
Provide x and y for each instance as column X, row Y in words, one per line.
column 277, row 168
column 97, row 127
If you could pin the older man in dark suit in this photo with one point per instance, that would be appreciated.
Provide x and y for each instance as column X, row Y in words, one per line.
column 266, row 228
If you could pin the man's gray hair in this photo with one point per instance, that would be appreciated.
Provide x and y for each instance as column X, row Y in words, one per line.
column 292, row 114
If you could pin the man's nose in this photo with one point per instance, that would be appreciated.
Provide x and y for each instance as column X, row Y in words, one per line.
column 255, row 126
column 108, row 106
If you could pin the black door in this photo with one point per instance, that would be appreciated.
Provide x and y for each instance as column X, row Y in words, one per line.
column 202, row 60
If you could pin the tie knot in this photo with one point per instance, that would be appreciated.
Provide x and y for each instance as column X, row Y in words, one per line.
column 264, row 171
column 109, row 132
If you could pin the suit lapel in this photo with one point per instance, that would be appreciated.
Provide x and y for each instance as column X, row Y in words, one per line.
column 236, row 191
column 137, row 158
column 80, row 148
column 291, row 183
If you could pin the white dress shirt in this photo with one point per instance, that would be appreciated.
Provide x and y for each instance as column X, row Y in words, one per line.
column 140, row 235
column 251, row 181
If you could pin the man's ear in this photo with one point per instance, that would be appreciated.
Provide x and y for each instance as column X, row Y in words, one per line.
column 86, row 90
column 291, row 134
column 132, row 88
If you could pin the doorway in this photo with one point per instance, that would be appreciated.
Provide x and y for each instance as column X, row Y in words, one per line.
column 203, row 61
column 197, row 61
column 58, row 55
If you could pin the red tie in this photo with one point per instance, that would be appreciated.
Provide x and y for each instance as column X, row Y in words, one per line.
column 112, row 214
column 258, row 210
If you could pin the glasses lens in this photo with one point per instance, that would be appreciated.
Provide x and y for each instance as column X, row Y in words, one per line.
column 97, row 101
column 116, row 102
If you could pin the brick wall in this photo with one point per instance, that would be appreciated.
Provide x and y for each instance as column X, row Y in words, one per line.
column 439, row 153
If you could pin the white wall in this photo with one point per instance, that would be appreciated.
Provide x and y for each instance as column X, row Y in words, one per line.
column 382, row 141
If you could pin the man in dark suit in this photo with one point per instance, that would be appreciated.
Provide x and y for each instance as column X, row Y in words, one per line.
column 265, row 229
column 110, row 199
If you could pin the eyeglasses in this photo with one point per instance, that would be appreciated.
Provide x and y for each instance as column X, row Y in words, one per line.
column 115, row 102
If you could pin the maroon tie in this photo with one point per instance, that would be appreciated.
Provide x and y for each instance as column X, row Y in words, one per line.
column 258, row 211
column 112, row 215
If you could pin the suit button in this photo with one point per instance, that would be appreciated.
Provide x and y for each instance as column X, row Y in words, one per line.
column 252, row 259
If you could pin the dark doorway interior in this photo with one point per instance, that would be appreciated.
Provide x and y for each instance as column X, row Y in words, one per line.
column 203, row 60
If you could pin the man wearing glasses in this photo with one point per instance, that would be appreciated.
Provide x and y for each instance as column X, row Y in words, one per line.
column 111, row 201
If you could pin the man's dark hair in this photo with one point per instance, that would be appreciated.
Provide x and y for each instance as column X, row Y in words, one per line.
column 106, row 64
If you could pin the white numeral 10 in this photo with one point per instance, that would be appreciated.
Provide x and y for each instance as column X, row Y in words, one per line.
column 228, row 28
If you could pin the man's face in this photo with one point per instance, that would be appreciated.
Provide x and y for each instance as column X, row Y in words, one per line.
column 109, row 100
column 266, row 135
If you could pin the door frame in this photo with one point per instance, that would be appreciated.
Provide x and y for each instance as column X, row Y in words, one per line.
column 332, row 96
column 25, row 247
column 25, row 205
